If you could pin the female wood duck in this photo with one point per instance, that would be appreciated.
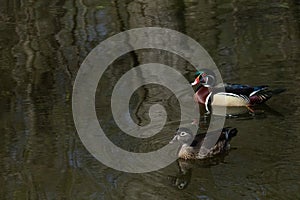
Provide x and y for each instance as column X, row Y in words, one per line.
column 234, row 95
column 190, row 145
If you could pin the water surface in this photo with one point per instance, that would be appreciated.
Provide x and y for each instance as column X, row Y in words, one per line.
column 42, row 45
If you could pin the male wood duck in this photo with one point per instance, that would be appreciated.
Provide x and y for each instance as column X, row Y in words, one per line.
column 190, row 145
column 234, row 95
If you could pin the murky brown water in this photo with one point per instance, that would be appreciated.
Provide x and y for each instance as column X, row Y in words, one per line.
column 42, row 45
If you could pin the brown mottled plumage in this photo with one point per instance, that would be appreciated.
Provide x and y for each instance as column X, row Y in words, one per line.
column 190, row 145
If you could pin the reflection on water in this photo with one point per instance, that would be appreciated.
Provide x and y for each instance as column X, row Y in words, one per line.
column 42, row 44
column 239, row 113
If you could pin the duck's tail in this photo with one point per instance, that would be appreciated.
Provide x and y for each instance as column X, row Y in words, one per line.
column 263, row 95
column 278, row 91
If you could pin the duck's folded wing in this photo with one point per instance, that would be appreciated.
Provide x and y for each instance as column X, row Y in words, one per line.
column 239, row 89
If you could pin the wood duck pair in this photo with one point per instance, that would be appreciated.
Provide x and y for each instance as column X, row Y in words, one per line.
column 190, row 145
column 208, row 93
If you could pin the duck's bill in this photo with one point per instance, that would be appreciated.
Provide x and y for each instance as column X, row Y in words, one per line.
column 200, row 79
column 175, row 138
column 196, row 81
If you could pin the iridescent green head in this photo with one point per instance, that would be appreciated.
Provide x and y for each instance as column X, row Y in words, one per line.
column 205, row 78
column 199, row 73
column 200, row 77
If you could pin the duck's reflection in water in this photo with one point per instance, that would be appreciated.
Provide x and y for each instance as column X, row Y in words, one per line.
column 190, row 156
column 185, row 168
column 243, row 113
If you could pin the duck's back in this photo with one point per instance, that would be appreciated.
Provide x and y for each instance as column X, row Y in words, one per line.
column 198, row 151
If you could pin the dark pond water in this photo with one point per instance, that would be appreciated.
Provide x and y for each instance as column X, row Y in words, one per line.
column 42, row 45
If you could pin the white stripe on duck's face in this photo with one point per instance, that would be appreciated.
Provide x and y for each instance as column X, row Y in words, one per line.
column 229, row 99
column 209, row 81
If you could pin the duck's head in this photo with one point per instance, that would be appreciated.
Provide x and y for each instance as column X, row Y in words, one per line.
column 183, row 136
column 204, row 78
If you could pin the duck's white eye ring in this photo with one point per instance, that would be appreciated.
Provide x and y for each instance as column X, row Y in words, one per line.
column 183, row 133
